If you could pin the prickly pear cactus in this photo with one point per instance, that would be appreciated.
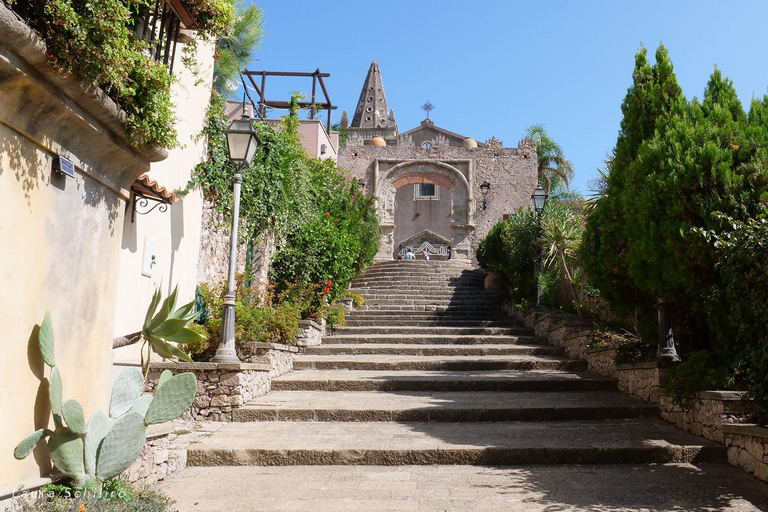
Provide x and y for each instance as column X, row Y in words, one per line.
column 106, row 446
column 122, row 446
column 172, row 398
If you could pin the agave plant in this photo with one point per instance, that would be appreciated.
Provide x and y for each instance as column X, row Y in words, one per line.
column 168, row 325
column 108, row 444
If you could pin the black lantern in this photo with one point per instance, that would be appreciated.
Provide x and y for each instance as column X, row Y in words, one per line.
column 539, row 197
column 485, row 187
column 242, row 141
column 361, row 182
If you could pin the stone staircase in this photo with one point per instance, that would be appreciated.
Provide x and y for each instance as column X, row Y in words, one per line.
column 430, row 373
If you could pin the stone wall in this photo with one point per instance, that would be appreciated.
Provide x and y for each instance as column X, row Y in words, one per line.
column 709, row 412
column 166, row 450
column 601, row 361
column 748, row 448
column 220, row 386
column 642, row 380
column 721, row 416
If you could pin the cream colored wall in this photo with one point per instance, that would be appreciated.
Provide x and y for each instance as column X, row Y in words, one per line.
column 59, row 252
column 313, row 136
column 176, row 232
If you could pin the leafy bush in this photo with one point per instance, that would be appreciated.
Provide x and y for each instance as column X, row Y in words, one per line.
column 701, row 370
column 117, row 496
column 628, row 348
column 511, row 248
column 101, row 51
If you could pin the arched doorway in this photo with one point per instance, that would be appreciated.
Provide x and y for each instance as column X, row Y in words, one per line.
column 409, row 201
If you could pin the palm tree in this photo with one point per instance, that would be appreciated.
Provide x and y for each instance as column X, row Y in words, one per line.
column 235, row 51
column 562, row 229
column 554, row 169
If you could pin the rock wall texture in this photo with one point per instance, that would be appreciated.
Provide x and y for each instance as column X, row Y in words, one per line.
column 722, row 416
column 310, row 333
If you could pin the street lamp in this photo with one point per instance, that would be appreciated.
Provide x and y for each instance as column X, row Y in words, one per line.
column 485, row 187
column 539, row 197
column 242, row 142
column 666, row 352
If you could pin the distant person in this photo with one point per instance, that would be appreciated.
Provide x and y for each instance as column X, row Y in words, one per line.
column 426, row 256
column 409, row 256
column 448, row 255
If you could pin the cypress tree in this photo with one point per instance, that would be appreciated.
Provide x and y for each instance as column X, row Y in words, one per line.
column 652, row 98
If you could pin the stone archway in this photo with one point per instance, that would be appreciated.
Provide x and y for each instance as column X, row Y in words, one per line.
column 430, row 172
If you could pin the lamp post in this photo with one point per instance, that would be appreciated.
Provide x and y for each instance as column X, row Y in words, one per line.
column 485, row 187
column 242, row 142
column 539, row 197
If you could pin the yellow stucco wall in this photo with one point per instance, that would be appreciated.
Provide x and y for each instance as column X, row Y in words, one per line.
column 59, row 251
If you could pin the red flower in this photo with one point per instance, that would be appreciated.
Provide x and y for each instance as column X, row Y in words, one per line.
column 326, row 290
column 328, row 283
column 328, row 214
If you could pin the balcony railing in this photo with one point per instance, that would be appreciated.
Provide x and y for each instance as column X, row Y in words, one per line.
column 159, row 24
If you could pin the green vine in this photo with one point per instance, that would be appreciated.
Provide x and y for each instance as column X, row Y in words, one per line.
column 90, row 39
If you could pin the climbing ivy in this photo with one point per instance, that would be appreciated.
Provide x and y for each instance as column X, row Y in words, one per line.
column 90, row 39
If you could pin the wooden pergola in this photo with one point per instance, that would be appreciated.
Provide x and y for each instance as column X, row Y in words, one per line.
column 313, row 105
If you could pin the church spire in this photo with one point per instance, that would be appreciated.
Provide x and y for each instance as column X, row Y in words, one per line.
column 372, row 111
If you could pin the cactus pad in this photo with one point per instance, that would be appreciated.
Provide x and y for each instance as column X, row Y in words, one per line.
column 45, row 337
column 66, row 449
column 173, row 398
column 54, row 393
column 73, row 415
column 98, row 427
column 126, row 390
column 29, row 443
column 142, row 404
column 167, row 374
column 121, row 446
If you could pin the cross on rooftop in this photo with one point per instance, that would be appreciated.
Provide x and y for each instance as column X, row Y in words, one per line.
column 428, row 107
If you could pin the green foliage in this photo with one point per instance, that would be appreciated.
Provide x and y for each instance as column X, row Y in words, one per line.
column 702, row 370
column 116, row 496
column 554, row 170
column 511, row 247
column 101, row 51
column 236, row 48
column 107, row 446
column 628, row 348
column 165, row 327
column 654, row 95
column 561, row 233
column 741, row 250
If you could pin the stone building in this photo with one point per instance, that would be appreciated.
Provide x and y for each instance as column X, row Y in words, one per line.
column 427, row 180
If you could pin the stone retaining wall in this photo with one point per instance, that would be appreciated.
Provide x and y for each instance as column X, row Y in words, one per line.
column 721, row 416
column 601, row 361
column 748, row 448
column 709, row 412
column 642, row 380
column 220, row 386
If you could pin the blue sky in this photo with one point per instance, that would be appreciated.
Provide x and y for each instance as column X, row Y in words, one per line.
column 491, row 68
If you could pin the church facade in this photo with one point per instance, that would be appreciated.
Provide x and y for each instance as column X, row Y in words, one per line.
column 434, row 188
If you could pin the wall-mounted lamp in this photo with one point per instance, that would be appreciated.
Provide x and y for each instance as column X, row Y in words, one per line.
column 361, row 182
column 323, row 149
column 485, row 187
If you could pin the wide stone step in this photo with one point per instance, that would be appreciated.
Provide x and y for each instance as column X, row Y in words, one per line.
column 450, row 315
column 476, row 303
column 422, row 349
column 397, row 293
column 383, row 380
column 609, row 487
column 278, row 443
column 469, row 308
column 432, row 363
column 415, row 333
column 437, row 322
column 443, row 406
